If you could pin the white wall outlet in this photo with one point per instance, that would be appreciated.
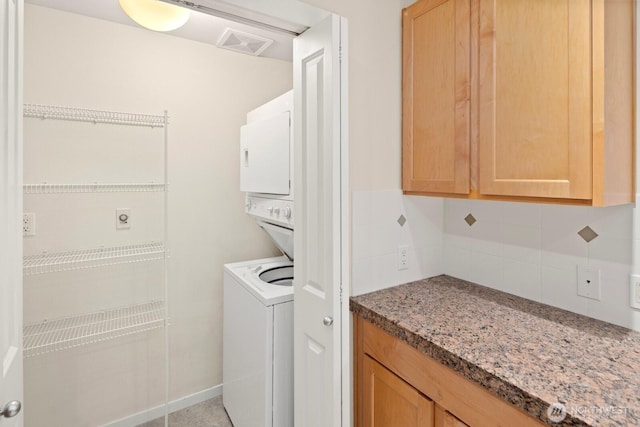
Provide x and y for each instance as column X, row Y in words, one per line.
column 123, row 218
column 403, row 257
column 634, row 286
column 589, row 282
column 28, row 224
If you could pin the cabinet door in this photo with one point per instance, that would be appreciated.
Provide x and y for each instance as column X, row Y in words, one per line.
column 535, row 98
column 388, row 401
column 436, row 91
column 445, row 419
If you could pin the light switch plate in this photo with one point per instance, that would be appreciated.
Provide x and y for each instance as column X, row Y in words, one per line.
column 634, row 294
column 403, row 257
column 589, row 282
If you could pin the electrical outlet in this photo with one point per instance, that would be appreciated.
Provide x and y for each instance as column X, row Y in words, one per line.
column 634, row 287
column 403, row 257
column 28, row 224
column 123, row 218
column 589, row 282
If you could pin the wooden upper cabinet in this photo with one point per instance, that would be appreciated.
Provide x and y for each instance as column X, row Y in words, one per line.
column 535, row 98
column 436, row 91
column 551, row 100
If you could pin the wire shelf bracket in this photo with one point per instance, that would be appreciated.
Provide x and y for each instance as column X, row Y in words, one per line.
column 53, row 335
column 92, row 116
column 91, row 258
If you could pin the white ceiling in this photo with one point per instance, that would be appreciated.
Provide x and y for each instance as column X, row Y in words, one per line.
column 200, row 27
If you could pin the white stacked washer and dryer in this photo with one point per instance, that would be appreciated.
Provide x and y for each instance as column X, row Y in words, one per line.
column 258, row 294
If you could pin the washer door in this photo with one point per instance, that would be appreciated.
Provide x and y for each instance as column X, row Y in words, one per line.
column 280, row 276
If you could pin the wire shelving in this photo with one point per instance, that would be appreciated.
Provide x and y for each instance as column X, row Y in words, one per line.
column 92, row 116
column 91, row 258
column 68, row 332
column 45, row 188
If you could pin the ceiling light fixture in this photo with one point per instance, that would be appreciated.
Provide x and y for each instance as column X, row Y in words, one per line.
column 155, row 15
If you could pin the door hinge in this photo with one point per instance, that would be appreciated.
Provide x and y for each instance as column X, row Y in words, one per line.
column 340, row 53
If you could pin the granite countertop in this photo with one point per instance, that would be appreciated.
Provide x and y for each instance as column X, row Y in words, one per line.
column 530, row 354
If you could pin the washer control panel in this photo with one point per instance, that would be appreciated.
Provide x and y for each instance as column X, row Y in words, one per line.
column 273, row 210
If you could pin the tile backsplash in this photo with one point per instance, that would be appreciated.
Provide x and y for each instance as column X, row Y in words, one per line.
column 381, row 222
column 530, row 250
column 534, row 251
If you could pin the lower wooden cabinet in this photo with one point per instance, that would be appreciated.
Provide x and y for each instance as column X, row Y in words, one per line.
column 390, row 401
column 397, row 386
column 445, row 419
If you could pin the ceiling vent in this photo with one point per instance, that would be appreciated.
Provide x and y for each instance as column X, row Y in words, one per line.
column 243, row 42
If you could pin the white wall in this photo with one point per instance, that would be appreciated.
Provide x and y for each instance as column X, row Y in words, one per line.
column 71, row 60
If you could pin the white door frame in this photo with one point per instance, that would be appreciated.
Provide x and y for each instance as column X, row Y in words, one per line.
column 322, row 353
column 345, row 232
column 11, row 48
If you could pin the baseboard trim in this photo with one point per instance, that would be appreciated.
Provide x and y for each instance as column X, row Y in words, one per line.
column 174, row 405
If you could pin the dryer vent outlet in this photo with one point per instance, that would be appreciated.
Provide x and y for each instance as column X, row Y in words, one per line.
column 242, row 42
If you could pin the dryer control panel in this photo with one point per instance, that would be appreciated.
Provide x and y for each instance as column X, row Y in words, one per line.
column 276, row 211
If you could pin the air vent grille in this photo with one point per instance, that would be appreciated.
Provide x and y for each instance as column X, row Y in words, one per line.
column 243, row 42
